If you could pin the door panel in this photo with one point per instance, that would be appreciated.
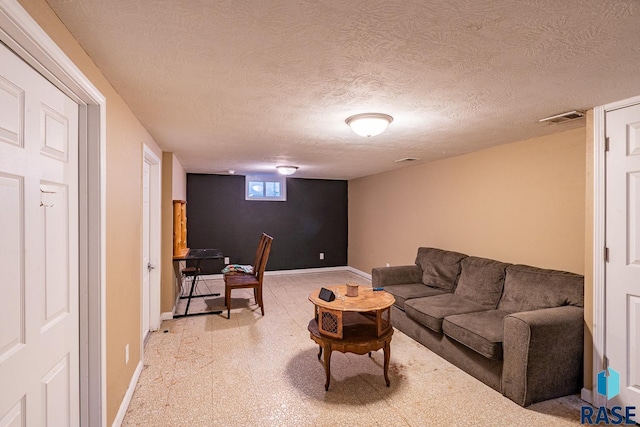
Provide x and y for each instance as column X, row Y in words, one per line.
column 55, row 385
column 12, row 117
column 11, row 251
column 146, row 260
column 15, row 417
column 622, row 272
column 151, row 241
column 39, row 347
column 56, row 223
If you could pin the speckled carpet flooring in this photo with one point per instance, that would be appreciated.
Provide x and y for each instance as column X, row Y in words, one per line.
column 263, row 371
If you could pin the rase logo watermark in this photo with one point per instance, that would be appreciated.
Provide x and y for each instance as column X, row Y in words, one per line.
column 608, row 386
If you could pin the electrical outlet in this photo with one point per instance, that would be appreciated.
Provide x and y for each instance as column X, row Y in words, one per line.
column 126, row 354
column 226, row 260
column 321, row 255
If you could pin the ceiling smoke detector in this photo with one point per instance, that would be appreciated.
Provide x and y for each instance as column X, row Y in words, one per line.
column 564, row 117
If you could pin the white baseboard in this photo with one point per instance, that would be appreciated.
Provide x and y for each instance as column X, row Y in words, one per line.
column 124, row 405
column 303, row 271
column 359, row 273
column 587, row 396
column 300, row 271
column 169, row 314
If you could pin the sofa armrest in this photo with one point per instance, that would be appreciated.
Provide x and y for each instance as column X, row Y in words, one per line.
column 396, row 275
column 542, row 352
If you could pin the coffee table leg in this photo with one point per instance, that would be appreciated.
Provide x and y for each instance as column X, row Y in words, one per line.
column 387, row 356
column 327, row 366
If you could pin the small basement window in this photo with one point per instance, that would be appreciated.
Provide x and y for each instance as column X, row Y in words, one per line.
column 265, row 187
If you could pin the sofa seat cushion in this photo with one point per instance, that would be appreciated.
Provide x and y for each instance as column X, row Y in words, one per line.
column 481, row 280
column 430, row 311
column 410, row 290
column 482, row 331
column 440, row 268
column 531, row 288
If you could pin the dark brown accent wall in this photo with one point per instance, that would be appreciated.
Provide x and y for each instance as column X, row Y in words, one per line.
column 312, row 220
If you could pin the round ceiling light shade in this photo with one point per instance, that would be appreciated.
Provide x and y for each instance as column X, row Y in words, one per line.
column 287, row 170
column 369, row 124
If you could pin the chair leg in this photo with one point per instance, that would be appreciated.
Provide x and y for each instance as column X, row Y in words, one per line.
column 260, row 303
column 227, row 301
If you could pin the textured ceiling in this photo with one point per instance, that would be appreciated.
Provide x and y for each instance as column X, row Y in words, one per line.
column 249, row 84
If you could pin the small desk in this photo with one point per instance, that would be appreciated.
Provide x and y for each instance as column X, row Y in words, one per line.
column 198, row 255
column 358, row 325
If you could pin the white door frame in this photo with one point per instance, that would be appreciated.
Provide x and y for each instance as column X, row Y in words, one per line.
column 30, row 42
column 155, row 233
column 599, row 226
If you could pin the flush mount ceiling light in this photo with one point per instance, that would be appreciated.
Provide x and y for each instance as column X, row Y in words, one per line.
column 369, row 124
column 287, row 170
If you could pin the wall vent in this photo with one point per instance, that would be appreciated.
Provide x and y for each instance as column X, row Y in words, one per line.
column 564, row 117
column 407, row 159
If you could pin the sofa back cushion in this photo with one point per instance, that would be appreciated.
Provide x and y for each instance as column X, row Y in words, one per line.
column 440, row 268
column 530, row 288
column 481, row 281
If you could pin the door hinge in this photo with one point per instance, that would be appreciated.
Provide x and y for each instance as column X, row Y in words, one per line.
column 606, row 144
column 606, row 254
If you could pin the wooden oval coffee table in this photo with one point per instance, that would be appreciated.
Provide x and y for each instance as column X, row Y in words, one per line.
column 359, row 325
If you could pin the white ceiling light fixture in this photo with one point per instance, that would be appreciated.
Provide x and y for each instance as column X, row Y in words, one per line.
column 286, row 169
column 369, row 124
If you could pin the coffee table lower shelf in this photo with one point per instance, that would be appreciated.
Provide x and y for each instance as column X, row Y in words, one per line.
column 359, row 337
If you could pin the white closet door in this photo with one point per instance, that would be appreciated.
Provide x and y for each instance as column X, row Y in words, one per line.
column 39, row 337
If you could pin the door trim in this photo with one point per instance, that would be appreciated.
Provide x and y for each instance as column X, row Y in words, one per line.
column 599, row 226
column 20, row 32
column 155, row 234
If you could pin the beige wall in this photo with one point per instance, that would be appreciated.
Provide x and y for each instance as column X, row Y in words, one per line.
column 174, row 185
column 529, row 202
column 179, row 180
column 520, row 203
column 125, row 136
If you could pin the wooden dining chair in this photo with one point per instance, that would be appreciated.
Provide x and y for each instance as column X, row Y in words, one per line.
column 256, row 262
column 253, row 280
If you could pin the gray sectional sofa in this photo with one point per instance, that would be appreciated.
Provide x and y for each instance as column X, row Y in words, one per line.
column 518, row 329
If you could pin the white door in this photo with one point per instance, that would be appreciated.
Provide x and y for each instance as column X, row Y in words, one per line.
column 151, row 237
column 622, row 280
column 39, row 337
column 146, row 260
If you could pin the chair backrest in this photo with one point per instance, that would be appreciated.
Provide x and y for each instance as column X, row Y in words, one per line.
column 262, row 263
column 260, row 250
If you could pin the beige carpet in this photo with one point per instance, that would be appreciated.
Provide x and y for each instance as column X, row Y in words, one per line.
column 263, row 371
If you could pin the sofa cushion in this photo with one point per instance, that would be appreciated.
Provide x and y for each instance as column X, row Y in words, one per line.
column 410, row 290
column 481, row 331
column 530, row 288
column 431, row 310
column 481, row 280
column 440, row 268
